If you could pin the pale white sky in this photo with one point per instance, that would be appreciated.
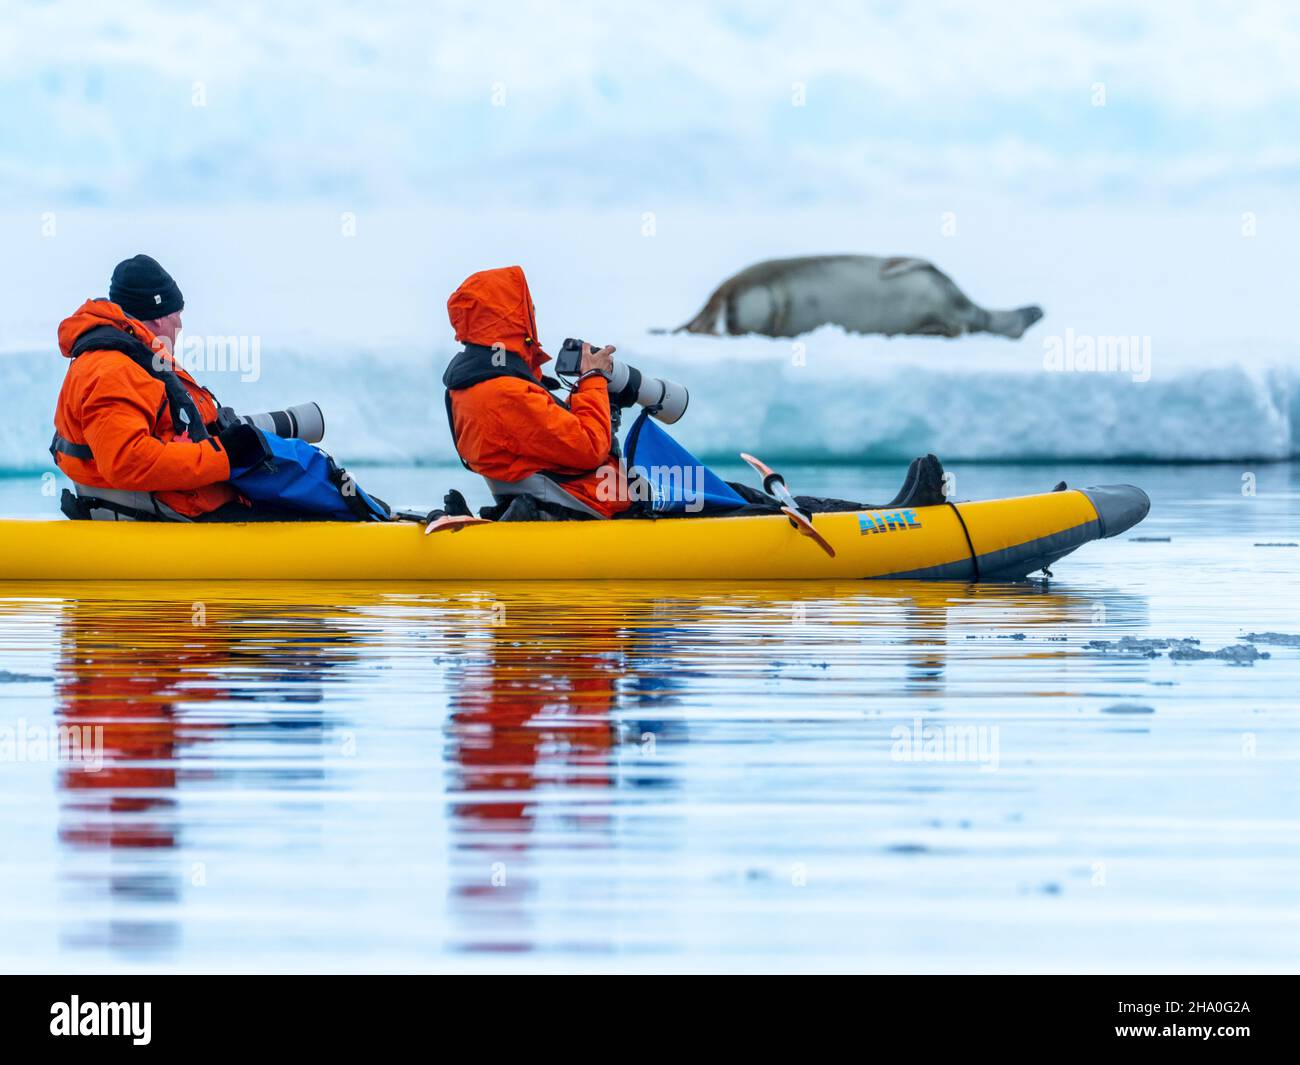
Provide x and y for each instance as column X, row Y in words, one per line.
column 534, row 102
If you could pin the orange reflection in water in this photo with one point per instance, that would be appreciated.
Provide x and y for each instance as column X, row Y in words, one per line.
column 538, row 690
column 150, row 677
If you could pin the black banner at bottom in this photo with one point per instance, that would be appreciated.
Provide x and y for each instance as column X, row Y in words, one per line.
column 334, row 1013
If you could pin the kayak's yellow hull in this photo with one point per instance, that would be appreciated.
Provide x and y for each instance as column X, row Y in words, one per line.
column 1002, row 539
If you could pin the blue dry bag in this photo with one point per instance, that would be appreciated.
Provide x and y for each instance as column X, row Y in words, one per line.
column 679, row 482
column 299, row 476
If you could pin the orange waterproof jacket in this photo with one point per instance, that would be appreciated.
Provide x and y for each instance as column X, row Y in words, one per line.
column 111, row 405
column 510, row 427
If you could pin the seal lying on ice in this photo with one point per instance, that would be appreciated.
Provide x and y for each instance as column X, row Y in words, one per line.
column 862, row 293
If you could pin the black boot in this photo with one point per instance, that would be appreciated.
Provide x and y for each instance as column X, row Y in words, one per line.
column 909, row 485
column 924, row 484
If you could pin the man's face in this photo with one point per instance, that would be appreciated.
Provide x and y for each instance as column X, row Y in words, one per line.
column 166, row 329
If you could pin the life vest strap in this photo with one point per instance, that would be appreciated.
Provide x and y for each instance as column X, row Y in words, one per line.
column 185, row 414
column 61, row 445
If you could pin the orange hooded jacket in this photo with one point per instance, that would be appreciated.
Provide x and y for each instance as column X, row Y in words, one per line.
column 117, row 409
column 508, row 428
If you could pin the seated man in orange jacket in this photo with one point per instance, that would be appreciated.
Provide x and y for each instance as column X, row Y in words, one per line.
column 505, row 422
column 131, row 426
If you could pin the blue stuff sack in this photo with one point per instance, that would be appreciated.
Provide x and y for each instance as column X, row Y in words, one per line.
column 679, row 482
column 299, row 476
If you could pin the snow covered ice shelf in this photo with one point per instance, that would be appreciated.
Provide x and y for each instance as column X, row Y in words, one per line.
column 358, row 323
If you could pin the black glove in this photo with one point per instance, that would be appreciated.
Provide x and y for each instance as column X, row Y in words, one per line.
column 244, row 445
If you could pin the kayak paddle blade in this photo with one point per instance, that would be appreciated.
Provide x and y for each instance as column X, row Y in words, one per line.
column 806, row 528
column 760, row 467
column 454, row 523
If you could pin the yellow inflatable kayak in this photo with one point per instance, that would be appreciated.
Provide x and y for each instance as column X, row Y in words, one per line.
column 998, row 539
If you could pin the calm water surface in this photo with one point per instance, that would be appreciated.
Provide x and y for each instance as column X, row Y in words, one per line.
column 883, row 776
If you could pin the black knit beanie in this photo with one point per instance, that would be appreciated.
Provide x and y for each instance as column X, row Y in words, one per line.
column 144, row 289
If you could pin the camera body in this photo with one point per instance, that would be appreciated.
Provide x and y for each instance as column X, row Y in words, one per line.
column 666, row 399
column 568, row 361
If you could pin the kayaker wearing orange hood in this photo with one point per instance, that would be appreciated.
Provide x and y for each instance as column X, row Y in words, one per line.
column 505, row 422
column 131, row 425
